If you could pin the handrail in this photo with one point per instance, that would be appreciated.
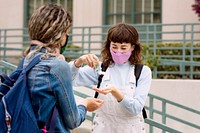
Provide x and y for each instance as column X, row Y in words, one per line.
column 151, row 109
column 164, row 127
column 89, row 39
column 164, row 113
column 6, row 67
column 147, row 120
column 154, row 123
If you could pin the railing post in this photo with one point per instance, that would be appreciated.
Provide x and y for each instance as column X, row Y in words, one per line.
column 183, row 50
column 4, row 43
column 147, row 40
column 191, row 51
column 83, row 32
column 163, row 113
column 154, row 49
column 89, row 39
column 151, row 112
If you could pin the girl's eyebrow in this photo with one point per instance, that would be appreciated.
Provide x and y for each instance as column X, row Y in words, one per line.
column 114, row 44
column 124, row 45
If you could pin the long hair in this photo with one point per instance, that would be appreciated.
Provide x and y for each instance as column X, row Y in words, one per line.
column 48, row 25
column 122, row 33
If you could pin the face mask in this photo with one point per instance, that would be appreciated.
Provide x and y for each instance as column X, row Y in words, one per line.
column 120, row 57
column 64, row 46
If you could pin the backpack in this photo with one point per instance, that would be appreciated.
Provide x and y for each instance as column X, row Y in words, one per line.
column 16, row 112
column 138, row 70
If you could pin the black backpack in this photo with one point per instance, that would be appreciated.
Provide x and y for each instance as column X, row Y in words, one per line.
column 138, row 70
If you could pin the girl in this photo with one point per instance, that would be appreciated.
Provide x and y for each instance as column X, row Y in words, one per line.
column 123, row 101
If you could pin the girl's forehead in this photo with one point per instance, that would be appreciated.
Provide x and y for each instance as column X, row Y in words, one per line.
column 120, row 44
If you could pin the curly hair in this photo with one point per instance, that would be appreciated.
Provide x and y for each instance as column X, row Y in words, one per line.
column 122, row 33
column 48, row 24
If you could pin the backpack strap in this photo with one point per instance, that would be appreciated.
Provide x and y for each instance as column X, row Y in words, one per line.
column 8, row 81
column 138, row 70
column 51, row 122
column 20, row 65
column 34, row 62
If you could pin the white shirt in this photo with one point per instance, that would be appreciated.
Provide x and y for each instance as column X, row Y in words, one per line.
column 119, row 75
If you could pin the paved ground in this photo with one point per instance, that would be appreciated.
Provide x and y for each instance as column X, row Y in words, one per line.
column 86, row 125
column 84, row 128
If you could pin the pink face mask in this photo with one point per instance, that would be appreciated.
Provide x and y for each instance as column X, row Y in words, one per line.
column 120, row 57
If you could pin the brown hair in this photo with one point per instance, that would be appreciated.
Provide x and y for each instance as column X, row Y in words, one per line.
column 122, row 33
column 48, row 24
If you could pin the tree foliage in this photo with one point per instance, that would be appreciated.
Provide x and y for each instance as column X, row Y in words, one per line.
column 196, row 8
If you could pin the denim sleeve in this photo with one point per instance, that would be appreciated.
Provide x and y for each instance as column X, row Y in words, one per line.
column 70, row 114
column 135, row 104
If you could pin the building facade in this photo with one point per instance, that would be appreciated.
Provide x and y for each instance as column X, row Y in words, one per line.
column 15, row 14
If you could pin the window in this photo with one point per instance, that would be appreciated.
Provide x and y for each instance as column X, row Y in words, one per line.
column 132, row 11
column 31, row 5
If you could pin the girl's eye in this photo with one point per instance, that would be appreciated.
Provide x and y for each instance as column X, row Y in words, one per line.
column 123, row 48
column 114, row 47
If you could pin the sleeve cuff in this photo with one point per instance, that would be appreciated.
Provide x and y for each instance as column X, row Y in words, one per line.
column 124, row 101
column 83, row 110
column 74, row 69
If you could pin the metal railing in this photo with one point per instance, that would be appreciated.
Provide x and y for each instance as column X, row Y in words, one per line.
column 6, row 67
column 90, row 39
column 167, row 117
column 162, row 123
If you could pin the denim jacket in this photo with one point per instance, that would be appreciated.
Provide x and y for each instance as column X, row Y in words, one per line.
column 50, row 85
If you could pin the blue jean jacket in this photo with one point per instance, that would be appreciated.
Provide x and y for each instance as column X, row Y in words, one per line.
column 50, row 85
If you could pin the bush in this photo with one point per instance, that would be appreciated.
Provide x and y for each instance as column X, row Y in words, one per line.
column 172, row 52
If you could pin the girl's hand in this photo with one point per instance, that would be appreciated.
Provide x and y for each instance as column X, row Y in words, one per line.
column 104, row 91
column 90, row 59
column 111, row 89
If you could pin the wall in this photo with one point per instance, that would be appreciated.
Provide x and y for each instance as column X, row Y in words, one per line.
column 11, row 12
column 178, row 11
column 184, row 92
column 87, row 13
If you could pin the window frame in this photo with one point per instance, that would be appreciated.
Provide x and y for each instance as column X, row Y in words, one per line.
column 114, row 14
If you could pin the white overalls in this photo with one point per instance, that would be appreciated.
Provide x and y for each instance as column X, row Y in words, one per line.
column 111, row 117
